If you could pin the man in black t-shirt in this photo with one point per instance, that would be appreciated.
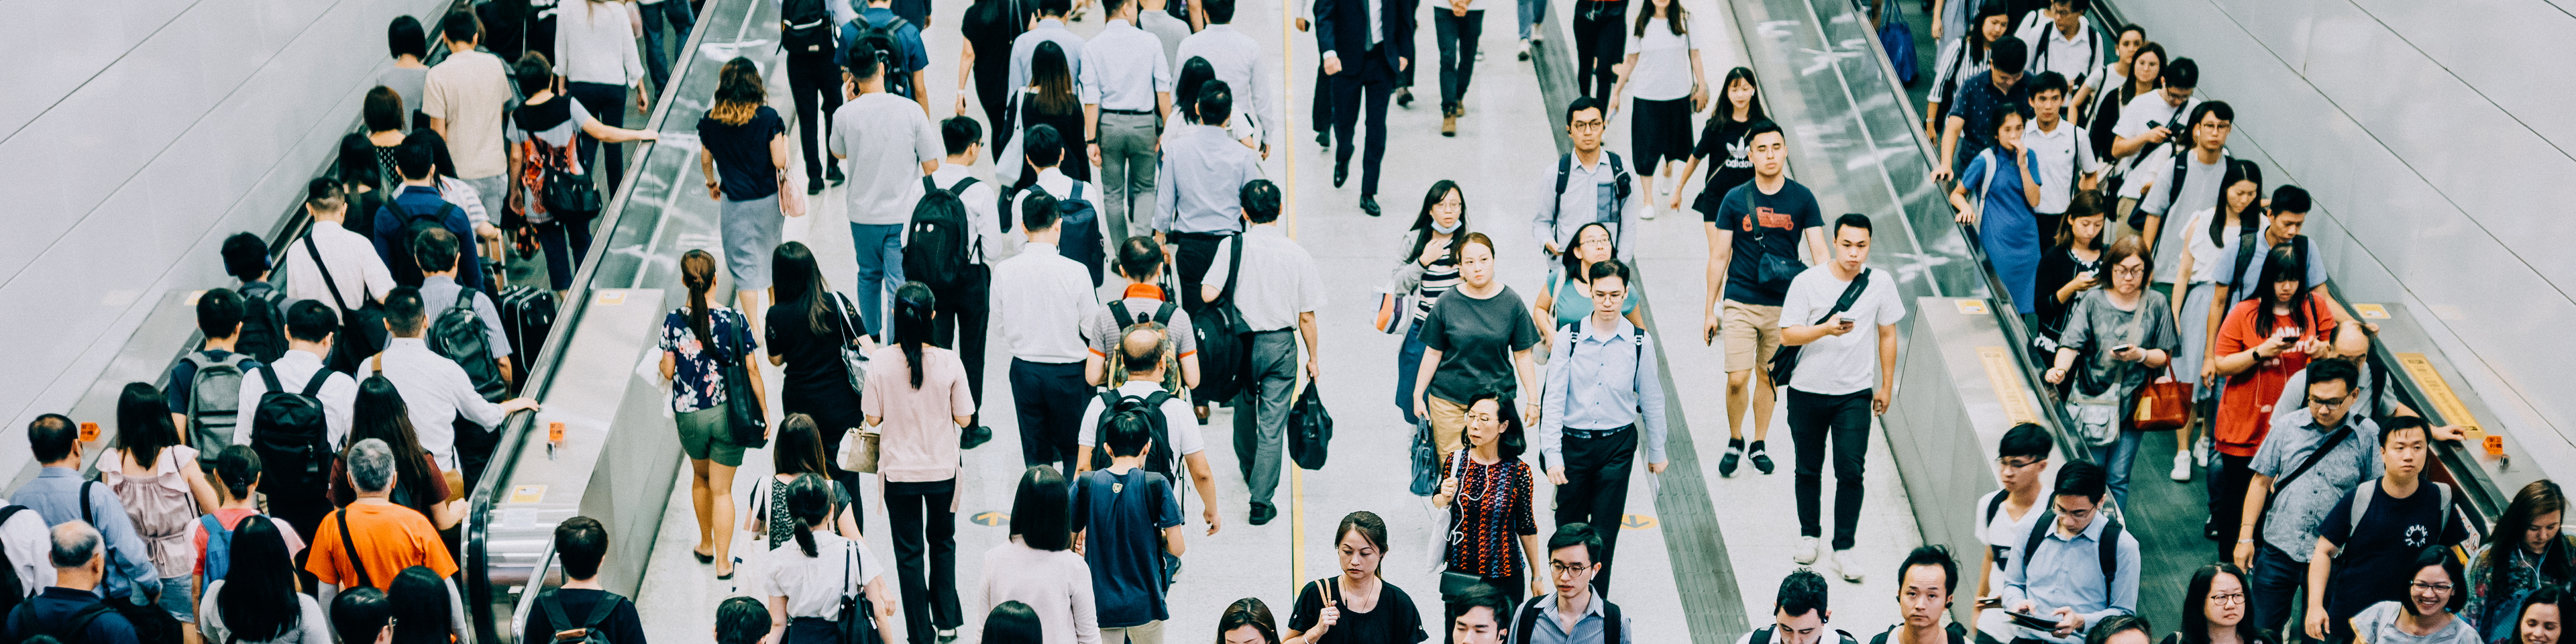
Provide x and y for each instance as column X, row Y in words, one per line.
column 2372, row 559
column 1753, row 240
column 581, row 543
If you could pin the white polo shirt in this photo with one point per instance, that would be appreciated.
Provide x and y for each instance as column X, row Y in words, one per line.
column 2063, row 154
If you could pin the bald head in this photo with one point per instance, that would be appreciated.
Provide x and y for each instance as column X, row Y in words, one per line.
column 76, row 555
column 1142, row 349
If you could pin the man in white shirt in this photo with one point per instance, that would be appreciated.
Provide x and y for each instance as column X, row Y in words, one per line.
column 1277, row 290
column 2065, row 152
column 1238, row 61
column 1040, row 296
column 889, row 145
column 1126, row 89
column 2003, row 518
column 963, row 315
column 1141, row 358
column 24, row 535
column 1838, row 387
column 348, row 274
column 433, row 388
column 2145, row 136
column 1049, row 28
column 2059, row 41
column 310, row 328
column 465, row 98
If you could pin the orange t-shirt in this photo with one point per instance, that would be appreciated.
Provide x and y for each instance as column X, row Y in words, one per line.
column 388, row 538
column 2245, row 408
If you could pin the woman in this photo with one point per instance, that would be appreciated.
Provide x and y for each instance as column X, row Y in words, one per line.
column 2070, row 267
column 2115, row 76
column 1494, row 495
column 418, row 483
column 1357, row 606
column 237, row 471
column 807, row 579
column 1473, row 341
column 2263, row 341
column 1996, row 194
column 2146, row 70
column 409, row 44
column 1038, row 566
column 256, row 600
column 157, row 480
column 1013, row 623
column 361, row 175
column 1247, row 621
column 1569, row 298
column 698, row 342
column 2425, row 616
column 361, row 615
column 1963, row 61
column 990, row 26
column 808, row 326
column 2206, row 259
column 742, row 152
column 2219, row 616
column 1049, row 100
column 1428, row 270
column 2539, row 620
column 424, row 611
column 796, row 452
column 541, row 136
column 920, row 408
column 1724, row 135
column 1663, row 62
column 382, row 113
column 2126, row 335
column 2526, row 555
column 597, row 48
column 742, row 620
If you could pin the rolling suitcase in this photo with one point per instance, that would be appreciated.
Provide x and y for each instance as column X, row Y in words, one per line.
column 527, row 316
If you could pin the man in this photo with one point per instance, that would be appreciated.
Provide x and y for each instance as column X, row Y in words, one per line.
column 2288, row 214
column 1143, row 371
column 682, row 19
column 386, row 537
column 2191, row 179
column 2063, row 575
column 1457, row 25
column 1366, row 45
column 1197, row 199
column 1140, row 262
column 263, row 332
column 1049, row 28
column 2058, row 40
column 1798, row 614
column 2005, row 516
column 814, row 80
column 338, row 267
column 1604, row 387
column 2366, row 546
column 1129, row 522
column 311, row 327
column 1126, row 89
column 2120, row 629
column 2065, row 152
column 436, row 250
column 1762, row 222
column 1576, row 612
column 1926, row 580
column 1978, row 107
column 69, row 609
column 27, row 540
column 1320, row 109
column 964, row 314
column 419, row 199
column 207, row 421
column 1155, row 17
column 1047, row 152
column 441, row 399
column 890, row 146
column 1238, row 61
column 465, row 99
column 1481, row 618
column 1040, row 296
column 2147, row 123
column 1589, row 185
column 1278, row 291
column 905, row 69
column 2327, row 446
column 581, row 543
column 61, row 496
column 1834, row 392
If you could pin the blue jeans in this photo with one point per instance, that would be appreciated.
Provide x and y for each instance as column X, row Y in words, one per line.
column 2116, row 459
column 880, row 252
column 682, row 21
column 1408, row 367
column 2276, row 583
column 1533, row 12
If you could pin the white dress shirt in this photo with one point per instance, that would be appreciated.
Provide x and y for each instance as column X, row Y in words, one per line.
column 2064, row 154
column 983, row 211
column 1053, row 181
column 355, row 268
column 2079, row 59
column 1238, row 61
column 28, row 542
column 1122, row 68
column 1279, row 279
column 437, row 392
column 339, row 394
column 595, row 43
column 1025, row 47
column 1039, row 297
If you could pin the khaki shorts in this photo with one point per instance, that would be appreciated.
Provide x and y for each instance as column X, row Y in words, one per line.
column 2120, row 228
column 1448, row 423
column 1752, row 333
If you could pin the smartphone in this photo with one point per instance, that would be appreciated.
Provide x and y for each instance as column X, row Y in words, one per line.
column 2123, row 348
column 1990, row 601
column 1844, row 320
column 2034, row 622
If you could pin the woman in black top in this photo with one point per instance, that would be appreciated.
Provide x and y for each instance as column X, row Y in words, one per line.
column 1357, row 606
column 2070, row 267
column 2146, row 74
column 1726, row 135
column 742, row 148
column 1049, row 100
column 990, row 27
column 807, row 328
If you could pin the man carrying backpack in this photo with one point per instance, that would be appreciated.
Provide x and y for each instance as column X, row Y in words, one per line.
column 1140, row 261
column 1605, row 397
column 263, row 330
column 897, row 43
column 69, row 610
column 889, row 145
column 581, row 607
column 205, row 386
column 2088, row 564
column 1575, row 613
column 62, row 496
column 805, row 32
column 466, row 330
column 298, row 466
column 1129, row 524
column 435, row 389
column 418, row 207
column 958, row 267
column 1142, row 353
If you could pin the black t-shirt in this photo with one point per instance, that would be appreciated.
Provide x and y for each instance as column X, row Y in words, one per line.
column 1729, row 156
column 814, row 370
column 1764, row 224
column 990, row 25
column 2378, row 559
column 1395, row 621
column 623, row 626
column 742, row 153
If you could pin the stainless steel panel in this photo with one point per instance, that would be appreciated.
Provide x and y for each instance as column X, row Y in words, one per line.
column 2489, row 45
column 1944, row 440
column 75, row 39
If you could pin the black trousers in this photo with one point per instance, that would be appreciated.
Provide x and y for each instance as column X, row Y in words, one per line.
column 1197, row 252
column 925, row 536
column 1596, row 488
column 1457, row 36
column 1600, row 41
column 816, row 85
column 1362, row 77
column 1050, row 399
column 1322, row 110
column 959, row 324
column 608, row 104
column 2228, row 477
column 1815, row 419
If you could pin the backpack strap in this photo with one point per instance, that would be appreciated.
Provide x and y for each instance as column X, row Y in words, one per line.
column 927, row 185
column 555, row 615
column 1618, row 178
column 600, row 610
column 1555, row 209
column 1611, row 621
column 2244, row 258
column 1233, row 268
column 1528, row 619
column 329, row 284
column 1993, row 506
column 312, row 386
column 2110, row 549
column 1163, row 315
column 77, row 627
column 268, row 374
column 1118, row 312
column 1762, row 635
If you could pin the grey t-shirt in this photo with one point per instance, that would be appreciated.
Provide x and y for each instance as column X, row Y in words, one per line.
column 2378, row 625
column 1100, row 327
column 2291, row 523
column 409, row 83
column 2199, row 190
column 1476, row 339
column 2098, row 325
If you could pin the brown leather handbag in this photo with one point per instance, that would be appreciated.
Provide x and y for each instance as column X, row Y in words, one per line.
column 2164, row 404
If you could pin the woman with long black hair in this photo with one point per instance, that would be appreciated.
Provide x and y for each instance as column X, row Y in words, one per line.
column 2213, row 609
column 795, row 452
column 1428, row 271
column 808, row 327
column 1038, row 566
column 1964, row 60
column 1663, row 65
column 2208, row 253
column 158, row 481
column 1049, row 100
column 807, row 578
column 698, row 342
column 424, row 610
column 380, row 413
column 2527, row 554
column 920, row 406
column 1727, row 135
column 256, row 600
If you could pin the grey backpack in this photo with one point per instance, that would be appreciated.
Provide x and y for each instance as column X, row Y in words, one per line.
column 214, row 398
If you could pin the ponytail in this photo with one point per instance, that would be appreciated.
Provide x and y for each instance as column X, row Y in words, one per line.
column 698, row 273
column 914, row 305
column 809, row 500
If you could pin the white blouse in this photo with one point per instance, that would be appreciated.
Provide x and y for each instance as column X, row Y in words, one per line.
column 814, row 586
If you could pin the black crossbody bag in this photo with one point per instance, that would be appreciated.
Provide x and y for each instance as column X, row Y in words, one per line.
column 1785, row 363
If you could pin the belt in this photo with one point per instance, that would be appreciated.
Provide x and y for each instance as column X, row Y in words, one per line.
column 1286, row 330
column 1596, row 433
column 1127, row 112
column 1204, row 236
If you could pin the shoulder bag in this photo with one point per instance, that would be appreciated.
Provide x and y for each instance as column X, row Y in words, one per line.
column 1443, row 519
column 2164, row 404
column 856, row 620
column 855, row 360
column 2325, row 446
column 743, row 412
column 1785, row 362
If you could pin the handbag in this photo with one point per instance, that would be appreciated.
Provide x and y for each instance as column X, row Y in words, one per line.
column 1443, row 518
column 749, row 424
column 1785, row 362
column 859, row 449
column 1390, row 317
column 2164, row 404
column 1426, row 460
column 1898, row 38
column 1008, row 165
column 856, row 621
column 856, row 360
column 365, row 325
column 1310, row 430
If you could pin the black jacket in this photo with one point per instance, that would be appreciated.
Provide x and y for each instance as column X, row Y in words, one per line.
column 1341, row 26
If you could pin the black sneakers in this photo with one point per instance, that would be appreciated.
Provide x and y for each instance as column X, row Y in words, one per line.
column 1734, row 454
column 1761, row 457
column 1262, row 513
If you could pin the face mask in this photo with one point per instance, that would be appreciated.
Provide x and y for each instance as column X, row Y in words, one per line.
column 1437, row 228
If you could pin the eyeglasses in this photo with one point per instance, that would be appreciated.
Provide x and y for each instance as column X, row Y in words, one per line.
column 2435, row 587
column 1590, row 125
column 2229, row 599
column 2129, row 270
column 2018, row 463
column 2329, row 402
column 1563, row 570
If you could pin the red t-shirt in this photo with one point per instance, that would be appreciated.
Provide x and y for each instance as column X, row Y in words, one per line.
column 2245, row 408
column 231, row 519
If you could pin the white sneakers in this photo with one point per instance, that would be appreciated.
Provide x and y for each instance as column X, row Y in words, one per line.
column 1808, row 550
column 2200, row 451
column 2182, row 467
column 1844, row 562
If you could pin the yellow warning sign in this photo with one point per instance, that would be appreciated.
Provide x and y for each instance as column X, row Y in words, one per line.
column 1972, row 307
column 527, row 493
column 610, row 298
column 2438, row 392
column 2370, row 311
column 2007, row 383
column 1637, row 522
column 990, row 518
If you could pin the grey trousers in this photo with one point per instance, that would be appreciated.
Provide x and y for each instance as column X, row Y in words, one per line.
column 1261, row 411
column 1127, row 155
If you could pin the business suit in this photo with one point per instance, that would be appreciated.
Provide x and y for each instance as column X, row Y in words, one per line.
column 1369, row 70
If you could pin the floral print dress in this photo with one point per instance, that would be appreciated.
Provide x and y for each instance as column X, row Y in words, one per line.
column 697, row 374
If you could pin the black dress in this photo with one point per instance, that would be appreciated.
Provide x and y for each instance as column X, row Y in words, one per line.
column 989, row 28
column 816, row 382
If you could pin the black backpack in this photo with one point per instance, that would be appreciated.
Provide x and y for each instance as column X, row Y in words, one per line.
column 13, row 591
column 1080, row 238
column 588, row 631
column 938, row 248
column 263, row 334
column 289, row 434
column 1763, row 636
column 883, row 38
column 805, row 27
column 458, row 333
column 1610, row 620
column 1619, row 190
column 72, row 630
column 1223, row 353
column 406, row 269
column 2110, row 542
column 1159, row 458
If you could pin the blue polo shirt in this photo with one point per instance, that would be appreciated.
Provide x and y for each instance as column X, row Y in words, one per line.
column 424, row 200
